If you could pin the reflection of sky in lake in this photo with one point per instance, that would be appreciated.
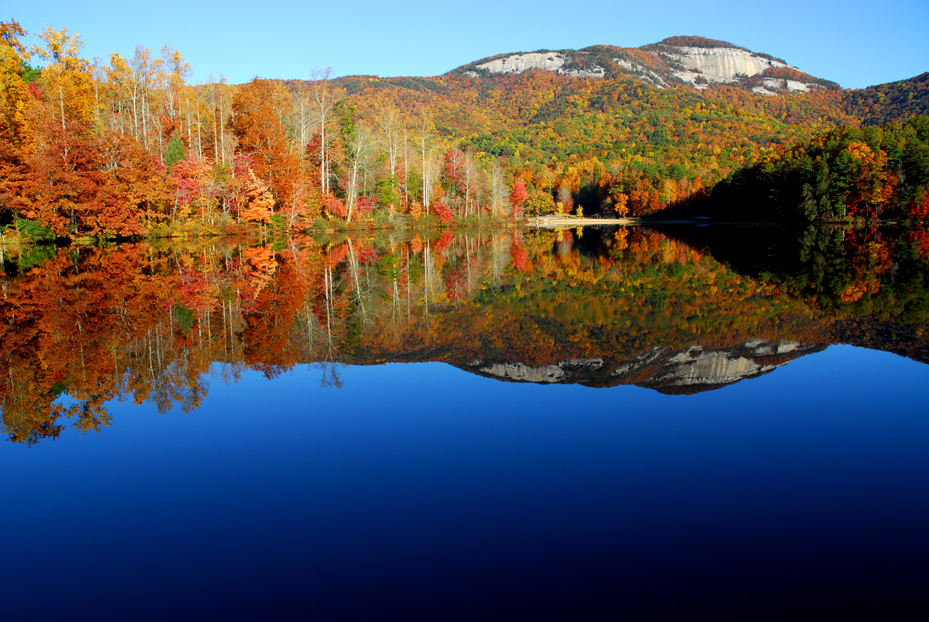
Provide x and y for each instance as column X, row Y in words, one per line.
column 420, row 490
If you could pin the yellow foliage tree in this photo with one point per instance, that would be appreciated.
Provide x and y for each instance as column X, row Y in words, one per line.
column 67, row 75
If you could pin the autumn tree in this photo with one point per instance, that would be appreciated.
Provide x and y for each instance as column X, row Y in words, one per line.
column 391, row 129
column 176, row 72
column 358, row 152
column 517, row 197
column 15, row 92
column 260, row 108
column 67, row 74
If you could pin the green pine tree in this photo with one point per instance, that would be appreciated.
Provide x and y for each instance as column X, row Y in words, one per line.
column 175, row 151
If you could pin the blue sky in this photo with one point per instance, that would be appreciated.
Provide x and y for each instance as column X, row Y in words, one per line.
column 854, row 43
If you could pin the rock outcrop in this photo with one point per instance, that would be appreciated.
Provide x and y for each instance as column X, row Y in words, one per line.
column 541, row 374
column 689, row 370
column 671, row 62
column 718, row 64
column 543, row 61
column 518, row 63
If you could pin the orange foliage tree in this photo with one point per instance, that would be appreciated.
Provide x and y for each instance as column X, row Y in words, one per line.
column 258, row 123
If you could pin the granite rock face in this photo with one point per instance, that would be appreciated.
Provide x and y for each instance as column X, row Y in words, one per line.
column 543, row 61
column 518, row 63
column 661, row 65
column 696, row 366
column 540, row 374
column 689, row 370
column 717, row 65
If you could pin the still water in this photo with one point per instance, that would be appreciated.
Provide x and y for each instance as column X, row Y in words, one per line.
column 493, row 425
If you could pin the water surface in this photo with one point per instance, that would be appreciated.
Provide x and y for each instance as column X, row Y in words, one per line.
column 557, row 425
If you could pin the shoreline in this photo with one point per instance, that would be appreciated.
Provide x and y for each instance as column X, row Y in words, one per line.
column 540, row 222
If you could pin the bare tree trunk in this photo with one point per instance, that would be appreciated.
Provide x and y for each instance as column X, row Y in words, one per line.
column 213, row 107
column 135, row 111
column 351, row 191
column 145, row 116
column 423, row 147
column 96, row 95
column 222, row 126
column 199, row 136
column 406, row 168
column 358, row 152
column 325, row 100
column 61, row 99
column 467, row 165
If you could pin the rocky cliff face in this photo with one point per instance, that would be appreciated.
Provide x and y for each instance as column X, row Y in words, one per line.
column 690, row 370
column 717, row 64
column 663, row 64
column 695, row 369
column 543, row 61
column 518, row 63
column 546, row 374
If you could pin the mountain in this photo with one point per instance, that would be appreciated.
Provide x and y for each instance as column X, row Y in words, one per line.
column 879, row 104
column 668, row 111
column 604, row 130
column 696, row 62
column 689, row 370
column 628, row 131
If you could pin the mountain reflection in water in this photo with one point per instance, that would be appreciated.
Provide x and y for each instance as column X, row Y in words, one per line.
column 677, row 310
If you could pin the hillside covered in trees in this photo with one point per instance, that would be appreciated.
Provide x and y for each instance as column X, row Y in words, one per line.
column 128, row 147
column 870, row 172
column 895, row 100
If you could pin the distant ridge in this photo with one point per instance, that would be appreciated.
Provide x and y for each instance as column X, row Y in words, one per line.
column 698, row 42
column 881, row 103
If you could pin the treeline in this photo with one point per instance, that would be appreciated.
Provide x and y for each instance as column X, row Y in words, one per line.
column 848, row 172
column 567, row 128
column 128, row 147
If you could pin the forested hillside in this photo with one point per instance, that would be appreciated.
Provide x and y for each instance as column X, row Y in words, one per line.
column 614, row 145
column 886, row 102
column 127, row 146
column 869, row 172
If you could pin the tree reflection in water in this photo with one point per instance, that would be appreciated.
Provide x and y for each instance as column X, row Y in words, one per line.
column 679, row 311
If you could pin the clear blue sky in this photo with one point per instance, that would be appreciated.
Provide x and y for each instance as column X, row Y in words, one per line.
column 856, row 43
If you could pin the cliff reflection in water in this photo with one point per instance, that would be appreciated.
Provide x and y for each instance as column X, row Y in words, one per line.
column 600, row 307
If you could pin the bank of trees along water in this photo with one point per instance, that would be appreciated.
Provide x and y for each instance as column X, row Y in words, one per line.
column 84, row 326
column 870, row 173
column 126, row 146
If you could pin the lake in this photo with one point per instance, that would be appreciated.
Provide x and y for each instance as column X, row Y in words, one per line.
column 495, row 424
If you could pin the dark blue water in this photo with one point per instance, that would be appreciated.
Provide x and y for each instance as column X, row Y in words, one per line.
column 419, row 491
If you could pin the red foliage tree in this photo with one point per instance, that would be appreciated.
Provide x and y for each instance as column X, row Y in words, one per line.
column 85, row 184
column 517, row 197
column 443, row 211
